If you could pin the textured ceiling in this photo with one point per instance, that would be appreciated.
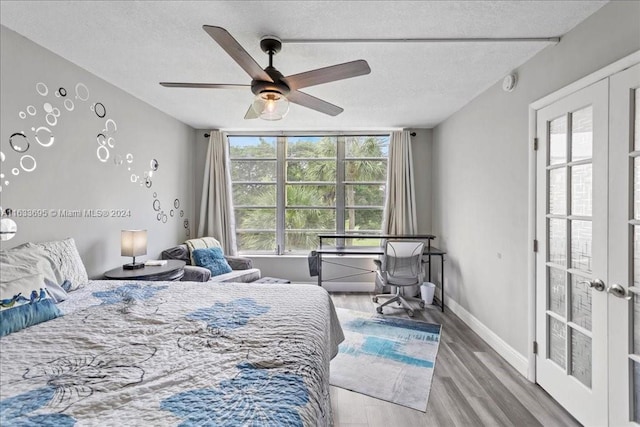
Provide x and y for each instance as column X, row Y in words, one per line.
column 135, row 45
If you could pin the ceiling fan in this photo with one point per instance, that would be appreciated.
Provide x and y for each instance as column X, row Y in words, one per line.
column 272, row 90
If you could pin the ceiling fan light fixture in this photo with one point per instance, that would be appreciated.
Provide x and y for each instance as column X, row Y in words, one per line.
column 271, row 89
column 271, row 105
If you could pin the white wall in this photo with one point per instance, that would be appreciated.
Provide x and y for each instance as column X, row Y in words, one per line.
column 295, row 267
column 480, row 173
column 69, row 175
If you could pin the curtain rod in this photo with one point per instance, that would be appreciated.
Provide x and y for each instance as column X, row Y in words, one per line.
column 430, row 40
column 206, row 135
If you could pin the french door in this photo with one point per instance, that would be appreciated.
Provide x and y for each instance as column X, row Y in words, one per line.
column 571, row 321
column 624, row 248
column 588, row 263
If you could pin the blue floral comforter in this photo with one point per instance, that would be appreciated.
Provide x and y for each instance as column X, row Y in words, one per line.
column 177, row 353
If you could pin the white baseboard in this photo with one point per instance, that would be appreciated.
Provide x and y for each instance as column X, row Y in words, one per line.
column 513, row 357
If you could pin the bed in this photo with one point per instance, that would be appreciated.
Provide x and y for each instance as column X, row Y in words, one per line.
column 174, row 353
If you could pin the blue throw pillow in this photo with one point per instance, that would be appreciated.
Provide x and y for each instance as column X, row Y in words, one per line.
column 25, row 302
column 212, row 259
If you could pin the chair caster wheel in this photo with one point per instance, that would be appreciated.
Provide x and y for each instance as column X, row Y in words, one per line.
column 379, row 310
column 410, row 313
column 374, row 299
column 421, row 304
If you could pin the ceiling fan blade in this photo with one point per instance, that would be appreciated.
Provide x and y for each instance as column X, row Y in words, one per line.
column 203, row 85
column 328, row 74
column 314, row 103
column 237, row 52
column 251, row 113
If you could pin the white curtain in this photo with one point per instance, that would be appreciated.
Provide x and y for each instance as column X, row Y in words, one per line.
column 400, row 205
column 216, row 205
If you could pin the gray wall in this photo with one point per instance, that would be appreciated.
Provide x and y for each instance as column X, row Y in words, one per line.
column 480, row 173
column 421, row 149
column 69, row 175
column 295, row 267
column 200, row 158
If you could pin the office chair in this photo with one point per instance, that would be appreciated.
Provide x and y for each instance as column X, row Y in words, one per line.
column 400, row 266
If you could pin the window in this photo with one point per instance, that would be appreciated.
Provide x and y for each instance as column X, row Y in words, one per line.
column 287, row 189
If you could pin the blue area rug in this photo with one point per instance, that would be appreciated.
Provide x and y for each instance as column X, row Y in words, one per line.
column 388, row 358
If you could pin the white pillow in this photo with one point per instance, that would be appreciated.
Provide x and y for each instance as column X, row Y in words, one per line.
column 66, row 259
column 28, row 261
column 56, row 292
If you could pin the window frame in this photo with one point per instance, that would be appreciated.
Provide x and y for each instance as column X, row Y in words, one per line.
column 281, row 183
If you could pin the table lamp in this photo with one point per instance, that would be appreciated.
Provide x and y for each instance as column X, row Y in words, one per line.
column 133, row 243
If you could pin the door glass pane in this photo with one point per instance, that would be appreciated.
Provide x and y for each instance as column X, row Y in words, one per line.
column 580, row 302
column 558, row 141
column 636, row 365
column 636, row 324
column 636, row 121
column 557, row 241
column 581, row 357
column 582, row 134
column 557, row 341
column 636, row 255
column 581, row 245
column 581, row 190
column 636, row 391
column 557, row 291
column 558, row 191
column 636, row 187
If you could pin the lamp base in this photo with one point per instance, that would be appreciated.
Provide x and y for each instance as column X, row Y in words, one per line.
column 133, row 266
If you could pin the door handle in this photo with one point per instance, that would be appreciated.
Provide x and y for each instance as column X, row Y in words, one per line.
column 619, row 291
column 596, row 284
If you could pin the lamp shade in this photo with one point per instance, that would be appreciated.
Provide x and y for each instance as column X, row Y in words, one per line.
column 270, row 105
column 133, row 242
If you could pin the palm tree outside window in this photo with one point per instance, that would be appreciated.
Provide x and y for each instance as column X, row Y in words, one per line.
column 287, row 189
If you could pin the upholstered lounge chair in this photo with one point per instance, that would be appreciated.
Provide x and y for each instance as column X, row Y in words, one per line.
column 243, row 270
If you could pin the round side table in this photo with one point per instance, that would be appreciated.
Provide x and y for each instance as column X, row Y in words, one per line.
column 173, row 270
